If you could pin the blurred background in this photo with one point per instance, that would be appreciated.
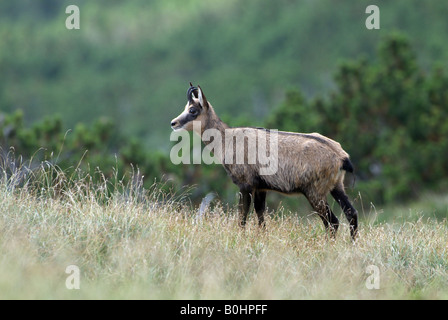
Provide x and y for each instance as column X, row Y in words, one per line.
column 113, row 86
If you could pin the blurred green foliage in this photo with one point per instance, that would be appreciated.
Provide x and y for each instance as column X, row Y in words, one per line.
column 93, row 149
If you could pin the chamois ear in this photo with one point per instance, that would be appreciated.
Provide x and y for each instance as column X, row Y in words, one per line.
column 202, row 99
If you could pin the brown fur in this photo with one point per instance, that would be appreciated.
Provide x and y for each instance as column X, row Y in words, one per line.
column 311, row 164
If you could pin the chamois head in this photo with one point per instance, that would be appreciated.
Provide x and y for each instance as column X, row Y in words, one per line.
column 195, row 110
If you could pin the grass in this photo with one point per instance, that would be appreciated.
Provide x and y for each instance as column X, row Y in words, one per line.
column 132, row 243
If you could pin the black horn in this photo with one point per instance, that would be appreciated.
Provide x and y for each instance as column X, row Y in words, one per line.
column 190, row 93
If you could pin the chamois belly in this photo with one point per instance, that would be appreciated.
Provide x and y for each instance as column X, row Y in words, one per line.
column 301, row 178
column 311, row 167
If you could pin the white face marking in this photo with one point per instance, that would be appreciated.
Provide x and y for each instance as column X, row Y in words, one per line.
column 201, row 99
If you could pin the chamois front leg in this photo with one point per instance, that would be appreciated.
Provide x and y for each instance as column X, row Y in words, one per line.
column 244, row 206
column 260, row 206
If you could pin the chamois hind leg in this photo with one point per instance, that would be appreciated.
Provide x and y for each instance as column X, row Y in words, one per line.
column 244, row 206
column 260, row 206
column 322, row 208
column 351, row 214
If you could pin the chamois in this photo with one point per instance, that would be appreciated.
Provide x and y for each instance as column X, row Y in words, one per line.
column 311, row 164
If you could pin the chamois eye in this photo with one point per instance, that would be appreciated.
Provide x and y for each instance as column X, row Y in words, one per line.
column 193, row 111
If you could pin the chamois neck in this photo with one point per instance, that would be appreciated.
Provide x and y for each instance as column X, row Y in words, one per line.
column 214, row 122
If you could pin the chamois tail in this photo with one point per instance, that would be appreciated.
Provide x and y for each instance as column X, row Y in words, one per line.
column 347, row 165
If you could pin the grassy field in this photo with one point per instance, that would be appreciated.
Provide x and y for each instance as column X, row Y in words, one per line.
column 144, row 244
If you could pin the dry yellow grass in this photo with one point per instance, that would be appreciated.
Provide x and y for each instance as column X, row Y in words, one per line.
column 143, row 244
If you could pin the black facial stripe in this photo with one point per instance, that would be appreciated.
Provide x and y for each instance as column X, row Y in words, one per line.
column 189, row 117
